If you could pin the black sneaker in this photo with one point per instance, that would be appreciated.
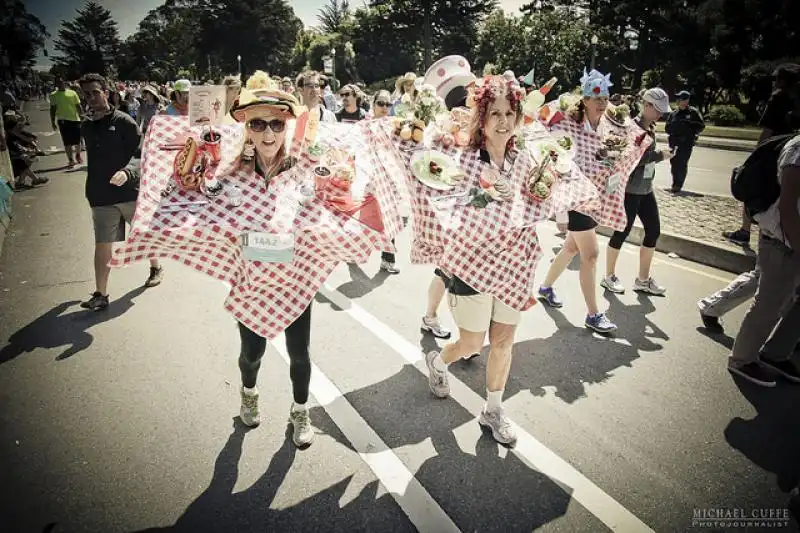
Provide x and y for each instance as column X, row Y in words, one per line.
column 712, row 323
column 755, row 373
column 96, row 303
column 787, row 368
column 739, row 236
column 155, row 277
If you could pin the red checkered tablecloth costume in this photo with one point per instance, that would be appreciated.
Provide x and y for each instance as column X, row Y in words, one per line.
column 265, row 297
column 610, row 212
column 493, row 249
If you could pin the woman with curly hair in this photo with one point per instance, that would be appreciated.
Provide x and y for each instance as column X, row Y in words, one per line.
column 495, row 118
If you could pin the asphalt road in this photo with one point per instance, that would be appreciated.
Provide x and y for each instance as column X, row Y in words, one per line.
column 125, row 421
column 709, row 171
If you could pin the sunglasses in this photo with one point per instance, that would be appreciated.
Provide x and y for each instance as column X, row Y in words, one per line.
column 345, row 95
column 312, row 86
column 383, row 104
column 259, row 124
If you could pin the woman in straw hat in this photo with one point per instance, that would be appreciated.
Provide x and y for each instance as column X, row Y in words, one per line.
column 405, row 91
column 265, row 111
column 151, row 106
column 494, row 120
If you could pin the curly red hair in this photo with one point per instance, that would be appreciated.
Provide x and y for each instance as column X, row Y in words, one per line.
column 492, row 88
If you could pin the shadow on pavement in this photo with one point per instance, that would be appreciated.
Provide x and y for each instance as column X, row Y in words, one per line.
column 54, row 329
column 471, row 480
column 771, row 440
column 573, row 357
column 720, row 338
column 361, row 284
column 219, row 509
column 52, row 169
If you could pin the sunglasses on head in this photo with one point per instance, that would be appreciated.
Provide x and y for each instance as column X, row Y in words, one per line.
column 259, row 124
column 383, row 104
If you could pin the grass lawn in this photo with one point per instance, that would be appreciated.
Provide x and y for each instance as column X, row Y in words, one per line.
column 748, row 133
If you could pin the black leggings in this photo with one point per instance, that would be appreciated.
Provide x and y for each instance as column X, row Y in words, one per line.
column 388, row 256
column 645, row 206
column 297, row 338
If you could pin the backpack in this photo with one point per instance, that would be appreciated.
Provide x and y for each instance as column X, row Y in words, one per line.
column 755, row 183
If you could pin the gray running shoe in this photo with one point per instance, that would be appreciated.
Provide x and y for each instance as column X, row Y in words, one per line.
column 649, row 286
column 249, row 410
column 497, row 421
column 437, row 380
column 303, row 434
column 434, row 327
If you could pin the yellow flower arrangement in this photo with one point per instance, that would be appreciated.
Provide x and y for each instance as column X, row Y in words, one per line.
column 261, row 80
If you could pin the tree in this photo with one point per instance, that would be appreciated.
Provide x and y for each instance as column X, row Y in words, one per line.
column 21, row 35
column 382, row 49
column 205, row 37
column 333, row 15
column 90, row 42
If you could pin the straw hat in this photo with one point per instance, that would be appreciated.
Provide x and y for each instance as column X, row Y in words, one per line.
column 407, row 77
column 273, row 99
column 152, row 90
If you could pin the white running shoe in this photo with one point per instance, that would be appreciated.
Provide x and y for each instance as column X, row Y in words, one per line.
column 649, row 286
column 249, row 409
column 303, row 433
column 613, row 284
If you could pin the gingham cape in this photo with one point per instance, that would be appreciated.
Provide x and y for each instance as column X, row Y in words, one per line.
column 493, row 249
column 610, row 212
column 266, row 297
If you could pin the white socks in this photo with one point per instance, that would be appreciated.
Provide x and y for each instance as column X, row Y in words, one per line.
column 439, row 364
column 494, row 400
column 299, row 407
column 250, row 392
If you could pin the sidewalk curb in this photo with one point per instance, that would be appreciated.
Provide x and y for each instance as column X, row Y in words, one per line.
column 733, row 145
column 694, row 250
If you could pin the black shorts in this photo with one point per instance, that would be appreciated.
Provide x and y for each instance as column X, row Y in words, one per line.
column 70, row 132
column 580, row 222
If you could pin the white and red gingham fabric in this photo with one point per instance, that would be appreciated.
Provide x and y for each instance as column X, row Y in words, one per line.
column 611, row 210
column 493, row 249
column 266, row 297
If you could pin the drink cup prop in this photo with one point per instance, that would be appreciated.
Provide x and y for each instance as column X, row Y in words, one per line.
column 212, row 140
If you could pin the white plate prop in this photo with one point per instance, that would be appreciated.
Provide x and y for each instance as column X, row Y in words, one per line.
column 435, row 170
column 566, row 143
column 562, row 161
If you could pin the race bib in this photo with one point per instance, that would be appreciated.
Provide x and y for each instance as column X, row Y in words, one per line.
column 268, row 247
column 612, row 185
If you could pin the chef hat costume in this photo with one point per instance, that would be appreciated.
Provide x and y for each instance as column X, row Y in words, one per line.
column 450, row 76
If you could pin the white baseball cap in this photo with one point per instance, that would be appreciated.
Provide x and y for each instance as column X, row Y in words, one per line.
column 659, row 99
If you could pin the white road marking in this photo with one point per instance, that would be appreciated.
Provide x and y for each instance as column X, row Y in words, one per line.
column 45, row 133
column 695, row 169
column 529, row 450
column 420, row 507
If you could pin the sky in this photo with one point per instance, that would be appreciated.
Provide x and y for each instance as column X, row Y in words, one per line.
column 128, row 13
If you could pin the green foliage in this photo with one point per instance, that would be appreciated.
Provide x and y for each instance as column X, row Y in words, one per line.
column 726, row 115
column 22, row 35
column 548, row 41
column 333, row 15
column 381, row 49
column 89, row 43
column 206, row 37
